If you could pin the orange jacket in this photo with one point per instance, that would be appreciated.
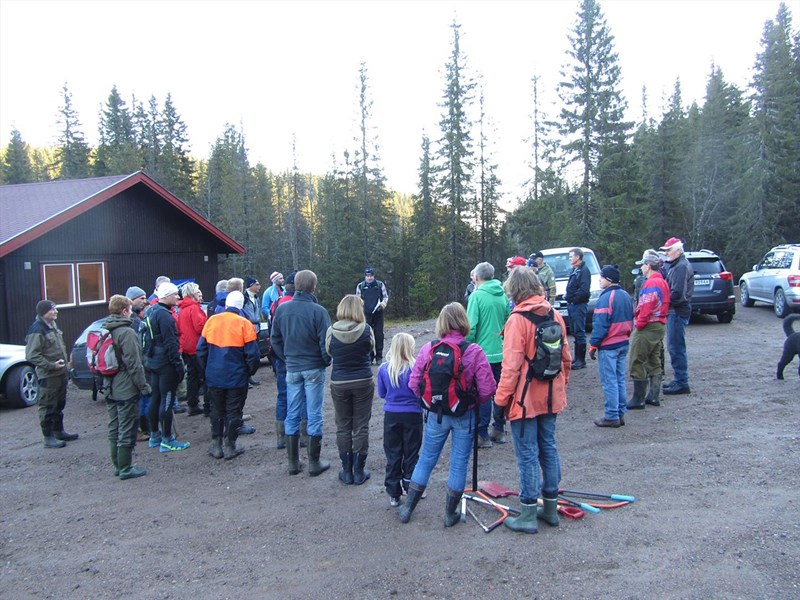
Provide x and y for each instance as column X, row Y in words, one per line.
column 519, row 342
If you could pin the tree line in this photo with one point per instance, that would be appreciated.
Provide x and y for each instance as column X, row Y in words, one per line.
column 723, row 174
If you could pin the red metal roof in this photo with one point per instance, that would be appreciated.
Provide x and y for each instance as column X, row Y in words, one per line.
column 30, row 210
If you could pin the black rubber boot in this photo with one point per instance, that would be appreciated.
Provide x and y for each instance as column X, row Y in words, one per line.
column 346, row 474
column 303, row 433
column 548, row 512
column 414, row 494
column 315, row 465
column 451, row 512
column 51, row 442
column 230, row 451
column 112, row 447
column 280, row 435
column 65, row 437
column 654, row 393
column 293, row 452
column 580, row 357
column 215, row 449
column 639, row 392
column 360, row 474
column 126, row 470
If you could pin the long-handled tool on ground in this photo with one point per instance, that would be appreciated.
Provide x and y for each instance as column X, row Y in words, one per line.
column 618, row 497
column 581, row 505
column 495, row 490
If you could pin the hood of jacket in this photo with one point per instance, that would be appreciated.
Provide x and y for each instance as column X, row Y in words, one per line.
column 114, row 321
column 184, row 302
column 491, row 287
column 346, row 331
column 536, row 304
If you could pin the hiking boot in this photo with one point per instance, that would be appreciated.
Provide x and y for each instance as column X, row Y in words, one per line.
column 280, row 435
column 215, row 449
column 230, row 451
column 498, row 436
column 526, row 521
column 65, row 437
column 484, row 442
column 607, row 422
column 179, row 408
column 155, row 440
column 676, row 389
column 451, row 512
column 51, row 442
column 360, row 474
column 194, row 411
column 346, row 474
column 415, row 492
column 173, row 445
column 126, row 470
column 315, row 465
column 548, row 512
column 293, row 453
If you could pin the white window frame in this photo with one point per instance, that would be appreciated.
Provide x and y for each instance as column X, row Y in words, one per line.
column 74, row 270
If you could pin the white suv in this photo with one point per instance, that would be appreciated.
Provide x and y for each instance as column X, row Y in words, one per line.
column 774, row 280
column 558, row 259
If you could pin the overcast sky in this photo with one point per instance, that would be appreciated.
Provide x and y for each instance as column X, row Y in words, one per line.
column 290, row 69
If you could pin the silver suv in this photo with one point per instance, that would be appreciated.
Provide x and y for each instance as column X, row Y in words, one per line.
column 774, row 280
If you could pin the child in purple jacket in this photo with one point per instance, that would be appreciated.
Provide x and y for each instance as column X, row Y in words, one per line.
column 402, row 421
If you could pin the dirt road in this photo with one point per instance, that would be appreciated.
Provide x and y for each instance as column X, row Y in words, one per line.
column 716, row 476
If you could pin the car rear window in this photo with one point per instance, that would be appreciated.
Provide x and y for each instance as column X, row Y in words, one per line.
column 706, row 266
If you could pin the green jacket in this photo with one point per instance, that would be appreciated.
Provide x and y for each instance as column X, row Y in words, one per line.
column 488, row 311
column 44, row 346
column 131, row 381
column 548, row 280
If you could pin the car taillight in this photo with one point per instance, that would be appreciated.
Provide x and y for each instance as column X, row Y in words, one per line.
column 794, row 280
column 726, row 276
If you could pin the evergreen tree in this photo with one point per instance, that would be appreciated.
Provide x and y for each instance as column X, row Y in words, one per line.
column 117, row 152
column 488, row 224
column 16, row 161
column 591, row 120
column 72, row 154
column 175, row 165
column 455, row 166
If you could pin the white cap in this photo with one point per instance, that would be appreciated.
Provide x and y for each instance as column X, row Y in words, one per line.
column 166, row 289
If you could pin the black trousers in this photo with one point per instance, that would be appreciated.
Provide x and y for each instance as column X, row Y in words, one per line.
column 375, row 320
column 227, row 405
column 194, row 378
column 402, row 440
column 162, row 381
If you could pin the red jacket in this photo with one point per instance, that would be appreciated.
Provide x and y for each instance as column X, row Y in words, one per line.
column 653, row 302
column 191, row 319
column 519, row 341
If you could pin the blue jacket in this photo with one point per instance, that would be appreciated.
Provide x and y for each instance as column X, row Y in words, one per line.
column 579, row 285
column 228, row 350
column 613, row 319
column 298, row 333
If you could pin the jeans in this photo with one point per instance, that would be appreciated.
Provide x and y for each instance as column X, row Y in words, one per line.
column 281, row 405
column 488, row 410
column 402, row 439
column 352, row 405
column 676, row 345
column 309, row 386
column 577, row 319
column 535, row 447
column 433, row 442
column 611, row 364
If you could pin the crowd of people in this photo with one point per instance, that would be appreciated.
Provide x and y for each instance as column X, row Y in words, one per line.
column 168, row 341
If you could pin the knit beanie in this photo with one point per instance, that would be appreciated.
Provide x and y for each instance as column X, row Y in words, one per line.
column 44, row 306
column 135, row 292
column 610, row 272
column 276, row 275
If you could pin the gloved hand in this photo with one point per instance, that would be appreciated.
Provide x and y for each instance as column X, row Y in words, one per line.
column 593, row 352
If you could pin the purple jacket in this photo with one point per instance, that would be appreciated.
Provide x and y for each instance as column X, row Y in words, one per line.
column 476, row 368
column 400, row 398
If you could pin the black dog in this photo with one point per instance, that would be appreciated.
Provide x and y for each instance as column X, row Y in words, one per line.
column 792, row 346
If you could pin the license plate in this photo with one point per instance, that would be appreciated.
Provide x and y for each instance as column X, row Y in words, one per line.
column 563, row 312
column 702, row 282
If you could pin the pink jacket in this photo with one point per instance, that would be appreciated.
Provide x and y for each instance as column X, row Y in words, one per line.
column 476, row 368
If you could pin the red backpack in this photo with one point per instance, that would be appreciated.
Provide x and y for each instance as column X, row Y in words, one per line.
column 102, row 353
column 443, row 388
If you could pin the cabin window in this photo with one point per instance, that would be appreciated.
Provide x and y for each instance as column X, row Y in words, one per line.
column 75, row 284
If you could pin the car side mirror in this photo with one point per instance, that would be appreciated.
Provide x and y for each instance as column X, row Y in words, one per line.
column 636, row 271
column 755, row 267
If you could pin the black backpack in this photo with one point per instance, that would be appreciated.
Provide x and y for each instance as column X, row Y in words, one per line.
column 442, row 388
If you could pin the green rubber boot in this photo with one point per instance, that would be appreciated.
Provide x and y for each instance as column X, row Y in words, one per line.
column 280, row 435
column 526, row 521
column 126, row 470
column 112, row 447
column 316, row 466
column 549, row 511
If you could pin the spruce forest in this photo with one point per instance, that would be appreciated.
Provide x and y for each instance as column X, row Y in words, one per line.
column 723, row 175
